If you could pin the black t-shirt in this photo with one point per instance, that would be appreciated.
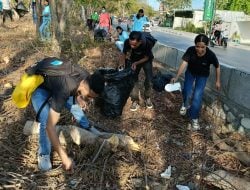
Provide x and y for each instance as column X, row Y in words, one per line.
column 145, row 49
column 200, row 65
column 62, row 87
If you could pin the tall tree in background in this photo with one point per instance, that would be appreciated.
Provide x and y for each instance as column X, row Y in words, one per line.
column 176, row 4
column 234, row 5
column 66, row 18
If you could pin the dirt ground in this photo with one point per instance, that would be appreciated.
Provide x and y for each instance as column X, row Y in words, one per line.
column 163, row 135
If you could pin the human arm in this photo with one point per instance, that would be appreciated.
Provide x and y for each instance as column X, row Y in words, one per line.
column 217, row 82
column 143, row 60
column 53, row 118
column 180, row 71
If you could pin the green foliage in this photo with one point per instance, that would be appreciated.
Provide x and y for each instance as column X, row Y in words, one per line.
column 176, row 4
column 190, row 27
column 199, row 30
column 117, row 7
column 234, row 5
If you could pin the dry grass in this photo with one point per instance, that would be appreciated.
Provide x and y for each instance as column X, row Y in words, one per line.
column 161, row 132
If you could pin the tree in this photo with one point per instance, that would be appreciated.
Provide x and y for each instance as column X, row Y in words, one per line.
column 234, row 5
column 176, row 4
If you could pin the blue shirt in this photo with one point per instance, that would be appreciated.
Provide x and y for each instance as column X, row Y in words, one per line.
column 123, row 36
column 1, row 6
column 138, row 23
column 46, row 13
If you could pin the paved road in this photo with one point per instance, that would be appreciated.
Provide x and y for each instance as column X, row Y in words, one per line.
column 233, row 56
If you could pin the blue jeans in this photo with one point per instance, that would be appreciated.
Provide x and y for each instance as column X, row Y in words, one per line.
column 34, row 15
column 38, row 97
column 192, row 98
column 44, row 29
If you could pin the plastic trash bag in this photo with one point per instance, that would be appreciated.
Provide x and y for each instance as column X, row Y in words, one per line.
column 173, row 87
column 100, row 35
column 167, row 173
column 182, row 187
column 118, row 86
column 160, row 80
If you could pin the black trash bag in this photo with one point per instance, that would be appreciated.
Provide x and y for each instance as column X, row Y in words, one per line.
column 118, row 86
column 100, row 35
column 160, row 80
column 21, row 9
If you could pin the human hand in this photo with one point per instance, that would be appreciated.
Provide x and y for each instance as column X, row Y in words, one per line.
column 82, row 102
column 133, row 66
column 173, row 80
column 68, row 165
column 217, row 85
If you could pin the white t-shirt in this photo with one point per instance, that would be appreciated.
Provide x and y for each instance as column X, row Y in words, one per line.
column 6, row 4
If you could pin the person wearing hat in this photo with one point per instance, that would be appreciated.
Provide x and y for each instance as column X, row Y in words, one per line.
column 50, row 94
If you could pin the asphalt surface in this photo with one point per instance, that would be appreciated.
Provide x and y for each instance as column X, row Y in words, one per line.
column 234, row 55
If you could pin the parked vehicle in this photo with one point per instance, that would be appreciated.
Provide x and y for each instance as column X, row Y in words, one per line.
column 147, row 26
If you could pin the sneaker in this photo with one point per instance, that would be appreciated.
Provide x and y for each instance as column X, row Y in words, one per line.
column 195, row 124
column 183, row 111
column 44, row 162
column 134, row 106
column 148, row 103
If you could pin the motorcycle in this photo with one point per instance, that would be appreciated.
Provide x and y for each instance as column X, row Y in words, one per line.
column 222, row 40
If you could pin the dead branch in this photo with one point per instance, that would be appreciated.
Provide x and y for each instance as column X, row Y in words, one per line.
column 242, row 156
column 220, row 143
column 225, row 180
column 81, row 136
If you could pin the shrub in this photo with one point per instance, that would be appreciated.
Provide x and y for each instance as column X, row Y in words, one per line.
column 190, row 27
column 199, row 30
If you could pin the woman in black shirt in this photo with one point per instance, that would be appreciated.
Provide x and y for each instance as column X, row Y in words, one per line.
column 197, row 59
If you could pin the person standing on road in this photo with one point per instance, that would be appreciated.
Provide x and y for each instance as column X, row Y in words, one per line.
column 138, row 21
column 196, row 60
column 6, row 10
column 138, row 50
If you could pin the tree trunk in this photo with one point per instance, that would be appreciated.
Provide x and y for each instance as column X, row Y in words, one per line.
column 39, row 13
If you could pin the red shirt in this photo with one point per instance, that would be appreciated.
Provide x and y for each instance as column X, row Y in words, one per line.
column 104, row 20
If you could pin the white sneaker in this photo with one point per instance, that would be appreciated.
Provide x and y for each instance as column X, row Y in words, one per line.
column 183, row 111
column 44, row 163
column 148, row 103
column 195, row 124
column 134, row 106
